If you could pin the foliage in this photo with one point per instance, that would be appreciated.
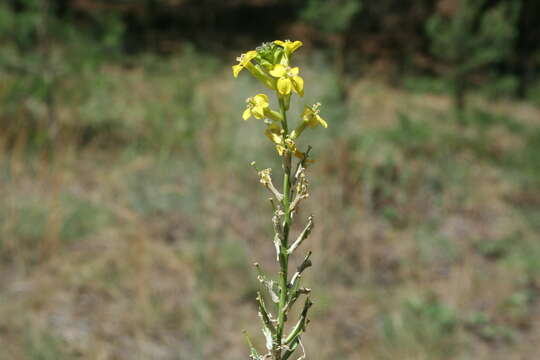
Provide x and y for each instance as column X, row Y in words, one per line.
column 331, row 16
column 472, row 37
column 40, row 51
column 133, row 231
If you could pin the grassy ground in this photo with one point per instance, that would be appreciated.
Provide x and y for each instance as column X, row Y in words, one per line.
column 132, row 237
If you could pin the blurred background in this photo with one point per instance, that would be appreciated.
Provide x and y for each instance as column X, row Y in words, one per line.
column 130, row 217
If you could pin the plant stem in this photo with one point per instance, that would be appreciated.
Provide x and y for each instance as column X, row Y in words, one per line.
column 283, row 253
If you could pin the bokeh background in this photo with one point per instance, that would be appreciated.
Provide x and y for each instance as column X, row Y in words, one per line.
column 130, row 217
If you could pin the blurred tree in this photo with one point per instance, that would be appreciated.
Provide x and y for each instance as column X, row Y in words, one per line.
column 38, row 50
column 335, row 19
column 25, row 38
column 471, row 35
column 527, row 46
column 331, row 16
column 392, row 32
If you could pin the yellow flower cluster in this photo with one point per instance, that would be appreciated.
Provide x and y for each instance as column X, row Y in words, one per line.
column 270, row 63
column 288, row 79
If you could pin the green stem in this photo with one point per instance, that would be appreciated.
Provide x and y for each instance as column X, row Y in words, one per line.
column 283, row 109
column 283, row 254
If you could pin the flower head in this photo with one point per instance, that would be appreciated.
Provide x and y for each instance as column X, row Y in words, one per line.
column 288, row 79
column 269, row 54
column 256, row 106
column 291, row 146
column 243, row 61
column 265, row 176
column 275, row 133
column 311, row 116
column 289, row 46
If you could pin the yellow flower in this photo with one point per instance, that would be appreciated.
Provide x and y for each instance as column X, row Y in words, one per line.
column 311, row 116
column 265, row 176
column 291, row 146
column 275, row 133
column 288, row 79
column 289, row 46
column 256, row 106
column 243, row 61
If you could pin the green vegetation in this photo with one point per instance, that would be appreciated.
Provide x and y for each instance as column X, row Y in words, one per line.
column 127, row 228
column 474, row 36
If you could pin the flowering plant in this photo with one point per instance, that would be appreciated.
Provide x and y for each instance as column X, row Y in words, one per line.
column 271, row 64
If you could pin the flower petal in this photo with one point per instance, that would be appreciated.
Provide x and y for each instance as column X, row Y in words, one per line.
column 295, row 45
column 298, row 83
column 258, row 112
column 294, row 71
column 247, row 114
column 280, row 149
column 261, row 100
column 236, row 70
column 313, row 123
column 322, row 122
column 247, row 57
column 307, row 113
column 278, row 71
column 291, row 145
column 284, row 86
column 289, row 46
column 275, row 138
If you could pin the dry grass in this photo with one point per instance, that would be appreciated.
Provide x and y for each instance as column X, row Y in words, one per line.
column 425, row 245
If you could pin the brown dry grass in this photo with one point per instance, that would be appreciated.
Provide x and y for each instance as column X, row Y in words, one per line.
column 421, row 250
